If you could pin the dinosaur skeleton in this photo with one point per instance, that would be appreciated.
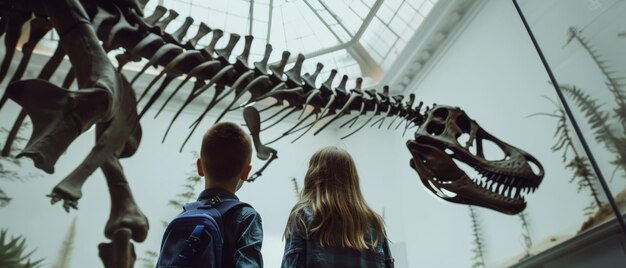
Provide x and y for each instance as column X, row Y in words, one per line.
column 89, row 30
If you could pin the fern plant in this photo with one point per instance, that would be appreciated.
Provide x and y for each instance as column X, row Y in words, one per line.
column 149, row 259
column 528, row 242
column 478, row 250
column 613, row 137
column 296, row 188
column 10, row 163
column 12, row 252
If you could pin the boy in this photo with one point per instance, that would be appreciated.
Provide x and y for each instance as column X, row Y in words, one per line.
column 225, row 163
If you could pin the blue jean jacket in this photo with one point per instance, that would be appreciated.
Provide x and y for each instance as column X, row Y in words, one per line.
column 302, row 252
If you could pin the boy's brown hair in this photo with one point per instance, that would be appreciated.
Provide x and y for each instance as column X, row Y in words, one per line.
column 226, row 150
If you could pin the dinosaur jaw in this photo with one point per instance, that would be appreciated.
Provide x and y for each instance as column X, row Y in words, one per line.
column 503, row 184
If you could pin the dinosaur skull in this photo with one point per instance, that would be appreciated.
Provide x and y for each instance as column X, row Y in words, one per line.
column 503, row 181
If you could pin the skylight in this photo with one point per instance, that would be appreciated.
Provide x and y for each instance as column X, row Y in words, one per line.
column 359, row 38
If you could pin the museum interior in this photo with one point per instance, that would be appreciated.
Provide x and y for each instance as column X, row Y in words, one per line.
column 105, row 103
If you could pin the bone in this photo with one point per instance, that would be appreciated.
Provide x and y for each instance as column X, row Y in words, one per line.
column 217, row 97
column 158, row 13
column 224, row 53
column 124, row 210
column 38, row 28
column 45, row 74
column 147, row 46
column 292, row 129
column 261, row 66
column 162, row 24
column 243, row 58
column 67, row 113
column 352, row 98
column 197, row 86
column 182, row 31
column 104, row 18
column 259, row 87
column 120, row 253
column 182, row 63
column 372, row 100
column 142, row 4
column 340, row 90
column 253, row 122
column 278, row 68
column 309, row 79
column 239, row 86
column 210, row 48
column 111, row 138
column 165, row 53
column 118, row 28
column 396, row 107
column 203, row 67
column 293, row 110
column 15, row 20
column 203, row 30
column 293, row 75
column 326, row 88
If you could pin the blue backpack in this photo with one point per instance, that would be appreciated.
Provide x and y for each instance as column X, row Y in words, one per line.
column 194, row 238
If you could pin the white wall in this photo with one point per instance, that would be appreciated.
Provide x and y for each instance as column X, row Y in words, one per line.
column 493, row 73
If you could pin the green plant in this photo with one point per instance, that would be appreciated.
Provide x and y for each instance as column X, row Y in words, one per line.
column 12, row 252
column 296, row 188
column 613, row 137
column 528, row 243
column 149, row 260
column 10, row 163
column 65, row 252
column 573, row 159
column 478, row 250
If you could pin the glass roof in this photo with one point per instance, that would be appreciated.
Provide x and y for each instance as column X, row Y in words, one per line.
column 359, row 38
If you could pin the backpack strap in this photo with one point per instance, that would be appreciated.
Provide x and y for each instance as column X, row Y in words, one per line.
column 199, row 233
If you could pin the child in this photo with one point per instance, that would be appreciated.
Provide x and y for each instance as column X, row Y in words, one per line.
column 225, row 163
column 331, row 225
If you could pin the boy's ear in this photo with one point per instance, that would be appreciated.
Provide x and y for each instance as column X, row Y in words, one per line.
column 200, row 169
column 245, row 172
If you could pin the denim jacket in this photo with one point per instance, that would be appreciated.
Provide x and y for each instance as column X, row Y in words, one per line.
column 243, row 233
column 302, row 252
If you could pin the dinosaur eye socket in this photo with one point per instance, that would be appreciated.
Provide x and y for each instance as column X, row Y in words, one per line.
column 435, row 128
column 441, row 113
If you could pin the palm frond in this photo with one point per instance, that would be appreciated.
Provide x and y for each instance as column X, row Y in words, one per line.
column 12, row 252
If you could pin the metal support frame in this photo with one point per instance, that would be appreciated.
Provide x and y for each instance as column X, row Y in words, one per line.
column 570, row 115
column 368, row 19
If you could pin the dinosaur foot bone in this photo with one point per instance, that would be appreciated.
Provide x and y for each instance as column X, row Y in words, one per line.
column 120, row 253
column 125, row 214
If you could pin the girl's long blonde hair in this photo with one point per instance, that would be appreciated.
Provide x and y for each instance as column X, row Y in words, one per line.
column 341, row 217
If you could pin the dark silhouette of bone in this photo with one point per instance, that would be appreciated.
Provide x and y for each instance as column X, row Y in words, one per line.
column 14, row 21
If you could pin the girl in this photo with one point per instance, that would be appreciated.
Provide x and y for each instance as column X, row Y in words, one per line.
column 331, row 225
